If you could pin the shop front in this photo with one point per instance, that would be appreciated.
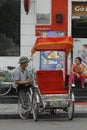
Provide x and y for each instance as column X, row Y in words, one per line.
column 79, row 31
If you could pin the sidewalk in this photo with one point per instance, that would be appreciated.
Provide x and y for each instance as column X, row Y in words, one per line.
column 80, row 108
column 13, row 108
column 8, row 109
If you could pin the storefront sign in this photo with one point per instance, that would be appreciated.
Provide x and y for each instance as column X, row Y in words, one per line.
column 79, row 8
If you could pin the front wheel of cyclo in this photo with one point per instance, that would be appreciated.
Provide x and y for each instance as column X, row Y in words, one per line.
column 24, row 104
column 35, row 107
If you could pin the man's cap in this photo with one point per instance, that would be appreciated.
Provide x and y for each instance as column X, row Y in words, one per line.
column 23, row 59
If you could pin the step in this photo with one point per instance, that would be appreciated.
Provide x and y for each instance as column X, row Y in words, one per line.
column 80, row 98
column 9, row 99
column 80, row 91
column 80, row 94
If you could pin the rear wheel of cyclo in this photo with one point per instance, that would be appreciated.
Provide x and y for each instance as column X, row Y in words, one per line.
column 24, row 104
column 35, row 107
column 70, row 110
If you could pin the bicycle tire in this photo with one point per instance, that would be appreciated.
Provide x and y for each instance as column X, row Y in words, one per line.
column 4, row 89
column 24, row 104
column 35, row 107
column 5, row 85
column 71, row 111
column 71, row 107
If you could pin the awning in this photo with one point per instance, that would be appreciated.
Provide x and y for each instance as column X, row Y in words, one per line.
column 63, row 43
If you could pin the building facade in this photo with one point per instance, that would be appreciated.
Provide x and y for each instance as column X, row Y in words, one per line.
column 51, row 18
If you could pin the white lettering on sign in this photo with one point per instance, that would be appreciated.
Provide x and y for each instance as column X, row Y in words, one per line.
column 86, row 8
column 79, row 8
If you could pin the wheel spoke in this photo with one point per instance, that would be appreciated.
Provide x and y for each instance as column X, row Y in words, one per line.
column 35, row 107
column 24, row 104
column 71, row 111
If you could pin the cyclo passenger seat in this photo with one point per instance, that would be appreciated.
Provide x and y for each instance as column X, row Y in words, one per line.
column 51, row 82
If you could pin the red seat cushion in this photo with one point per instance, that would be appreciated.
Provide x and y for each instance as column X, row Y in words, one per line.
column 50, row 81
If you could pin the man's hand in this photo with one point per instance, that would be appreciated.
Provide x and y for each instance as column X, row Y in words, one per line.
column 28, row 80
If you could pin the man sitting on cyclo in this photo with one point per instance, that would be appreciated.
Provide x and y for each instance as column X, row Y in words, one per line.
column 21, row 75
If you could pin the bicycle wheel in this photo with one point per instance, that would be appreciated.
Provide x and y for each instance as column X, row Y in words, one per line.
column 4, row 89
column 71, row 111
column 5, row 85
column 71, row 107
column 24, row 104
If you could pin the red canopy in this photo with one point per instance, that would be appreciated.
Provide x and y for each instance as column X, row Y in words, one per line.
column 63, row 43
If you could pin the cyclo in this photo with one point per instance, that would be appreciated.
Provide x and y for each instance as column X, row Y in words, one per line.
column 54, row 95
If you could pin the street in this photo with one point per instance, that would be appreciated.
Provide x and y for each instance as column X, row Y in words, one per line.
column 44, row 124
column 10, row 120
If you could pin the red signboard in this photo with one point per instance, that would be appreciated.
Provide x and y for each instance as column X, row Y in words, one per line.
column 59, row 10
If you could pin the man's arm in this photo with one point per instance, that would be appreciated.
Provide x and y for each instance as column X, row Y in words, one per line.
column 21, row 82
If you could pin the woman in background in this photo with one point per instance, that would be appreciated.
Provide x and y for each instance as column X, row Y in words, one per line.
column 77, row 72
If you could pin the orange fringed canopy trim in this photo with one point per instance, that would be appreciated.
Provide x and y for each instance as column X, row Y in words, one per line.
column 63, row 43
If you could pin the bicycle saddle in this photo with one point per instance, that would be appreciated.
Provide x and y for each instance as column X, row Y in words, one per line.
column 10, row 67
